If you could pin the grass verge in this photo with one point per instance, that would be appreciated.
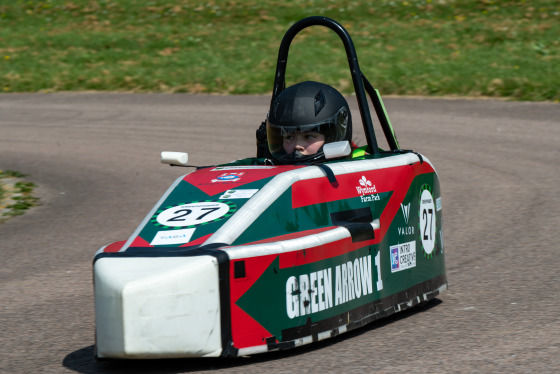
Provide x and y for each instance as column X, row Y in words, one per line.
column 506, row 48
column 16, row 195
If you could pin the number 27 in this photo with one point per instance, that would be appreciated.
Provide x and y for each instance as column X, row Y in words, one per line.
column 186, row 212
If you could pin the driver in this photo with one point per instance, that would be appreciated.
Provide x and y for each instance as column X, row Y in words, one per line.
column 303, row 118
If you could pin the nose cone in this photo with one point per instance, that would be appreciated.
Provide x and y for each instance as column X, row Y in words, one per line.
column 159, row 307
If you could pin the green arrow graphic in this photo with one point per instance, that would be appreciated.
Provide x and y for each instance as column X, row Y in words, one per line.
column 292, row 297
column 265, row 300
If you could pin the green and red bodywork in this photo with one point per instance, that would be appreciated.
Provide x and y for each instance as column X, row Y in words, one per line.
column 304, row 252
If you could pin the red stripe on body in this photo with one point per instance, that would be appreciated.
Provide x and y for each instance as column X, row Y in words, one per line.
column 396, row 179
column 140, row 242
column 114, row 247
column 304, row 192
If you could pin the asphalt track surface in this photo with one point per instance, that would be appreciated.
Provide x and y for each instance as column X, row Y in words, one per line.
column 95, row 158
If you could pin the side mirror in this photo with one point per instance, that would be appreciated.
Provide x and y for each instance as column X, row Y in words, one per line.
column 174, row 158
column 337, row 149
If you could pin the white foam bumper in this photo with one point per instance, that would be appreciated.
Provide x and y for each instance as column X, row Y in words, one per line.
column 157, row 307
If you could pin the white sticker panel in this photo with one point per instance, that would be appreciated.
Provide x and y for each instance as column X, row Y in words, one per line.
column 173, row 237
column 239, row 194
column 403, row 256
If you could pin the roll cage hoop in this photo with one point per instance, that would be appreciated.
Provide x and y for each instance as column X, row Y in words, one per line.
column 361, row 84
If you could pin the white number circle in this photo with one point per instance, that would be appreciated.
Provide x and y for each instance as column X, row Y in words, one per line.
column 192, row 214
column 427, row 221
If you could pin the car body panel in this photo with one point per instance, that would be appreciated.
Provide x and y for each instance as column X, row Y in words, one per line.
column 305, row 258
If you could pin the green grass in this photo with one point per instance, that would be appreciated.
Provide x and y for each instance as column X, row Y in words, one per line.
column 430, row 47
column 22, row 198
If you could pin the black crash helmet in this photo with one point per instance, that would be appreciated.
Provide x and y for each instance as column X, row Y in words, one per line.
column 307, row 106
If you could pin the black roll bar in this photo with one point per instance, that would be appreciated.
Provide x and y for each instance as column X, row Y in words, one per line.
column 357, row 78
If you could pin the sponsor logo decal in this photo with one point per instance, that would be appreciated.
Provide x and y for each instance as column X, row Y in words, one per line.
column 438, row 204
column 173, row 237
column 367, row 188
column 193, row 214
column 228, row 177
column 369, row 198
column 427, row 221
column 406, row 230
column 405, row 211
column 403, row 256
column 239, row 194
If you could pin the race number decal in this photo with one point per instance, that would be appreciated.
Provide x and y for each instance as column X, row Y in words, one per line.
column 193, row 214
column 427, row 222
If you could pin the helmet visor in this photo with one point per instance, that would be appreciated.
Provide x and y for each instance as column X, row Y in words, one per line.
column 333, row 129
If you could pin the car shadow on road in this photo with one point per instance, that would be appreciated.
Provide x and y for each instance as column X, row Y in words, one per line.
column 83, row 360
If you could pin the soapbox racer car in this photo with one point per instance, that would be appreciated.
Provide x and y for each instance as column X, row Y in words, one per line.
column 248, row 257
